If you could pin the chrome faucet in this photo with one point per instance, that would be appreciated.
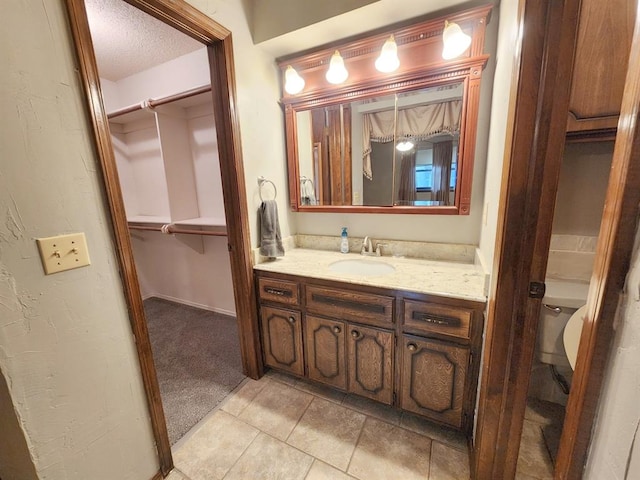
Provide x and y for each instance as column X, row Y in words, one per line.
column 367, row 248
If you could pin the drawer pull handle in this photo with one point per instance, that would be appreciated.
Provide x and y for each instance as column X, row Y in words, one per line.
column 292, row 320
column 355, row 333
column 447, row 322
column 336, row 329
column 412, row 347
column 276, row 291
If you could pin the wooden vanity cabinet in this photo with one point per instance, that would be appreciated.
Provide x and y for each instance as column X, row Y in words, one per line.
column 282, row 339
column 325, row 341
column 413, row 351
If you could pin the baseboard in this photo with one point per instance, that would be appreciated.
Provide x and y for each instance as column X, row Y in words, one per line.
column 193, row 304
column 157, row 476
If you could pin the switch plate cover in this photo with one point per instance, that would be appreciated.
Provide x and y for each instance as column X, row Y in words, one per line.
column 63, row 252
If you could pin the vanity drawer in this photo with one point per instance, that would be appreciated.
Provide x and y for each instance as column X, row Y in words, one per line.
column 280, row 291
column 424, row 317
column 350, row 305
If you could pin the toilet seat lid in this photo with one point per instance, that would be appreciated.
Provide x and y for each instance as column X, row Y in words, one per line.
column 571, row 335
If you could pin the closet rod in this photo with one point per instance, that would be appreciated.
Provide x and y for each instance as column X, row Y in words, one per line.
column 179, row 96
column 185, row 231
column 160, row 101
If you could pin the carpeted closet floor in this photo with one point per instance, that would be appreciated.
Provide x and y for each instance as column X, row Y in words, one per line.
column 197, row 358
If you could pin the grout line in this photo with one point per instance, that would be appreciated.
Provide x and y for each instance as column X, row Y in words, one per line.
column 286, row 440
column 430, row 460
column 243, row 452
column 355, row 446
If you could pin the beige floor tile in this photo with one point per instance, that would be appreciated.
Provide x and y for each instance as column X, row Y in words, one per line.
column 322, row 471
column 547, row 413
column 270, row 459
column 321, row 391
column 373, row 409
column 442, row 434
column 447, row 463
column 386, row 452
column 524, row 476
column 328, row 431
column 276, row 409
column 282, row 377
column 211, row 451
column 176, row 475
column 237, row 402
column 534, row 459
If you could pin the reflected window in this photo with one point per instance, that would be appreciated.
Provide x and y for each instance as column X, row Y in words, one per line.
column 424, row 170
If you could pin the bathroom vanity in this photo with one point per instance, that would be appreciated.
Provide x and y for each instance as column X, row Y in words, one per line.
column 410, row 338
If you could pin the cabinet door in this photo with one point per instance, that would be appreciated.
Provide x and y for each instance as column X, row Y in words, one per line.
column 433, row 379
column 325, row 351
column 370, row 353
column 282, row 339
column 600, row 66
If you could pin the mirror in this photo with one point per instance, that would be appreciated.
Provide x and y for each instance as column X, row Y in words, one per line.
column 392, row 150
column 395, row 142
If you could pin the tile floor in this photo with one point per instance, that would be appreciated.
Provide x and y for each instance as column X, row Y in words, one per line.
column 540, row 438
column 283, row 428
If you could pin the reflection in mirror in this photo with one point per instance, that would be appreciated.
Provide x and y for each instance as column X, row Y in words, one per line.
column 399, row 149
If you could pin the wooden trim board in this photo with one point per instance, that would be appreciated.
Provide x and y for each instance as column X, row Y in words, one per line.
column 185, row 18
column 537, row 113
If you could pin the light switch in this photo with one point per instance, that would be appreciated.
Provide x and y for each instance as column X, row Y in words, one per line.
column 63, row 252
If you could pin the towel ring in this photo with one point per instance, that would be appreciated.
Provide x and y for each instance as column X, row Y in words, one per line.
column 261, row 182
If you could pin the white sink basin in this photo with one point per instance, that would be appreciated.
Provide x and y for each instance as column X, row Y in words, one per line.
column 362, row 267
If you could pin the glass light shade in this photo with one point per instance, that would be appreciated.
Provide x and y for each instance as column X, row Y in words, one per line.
column 405, row 145
column 388, row 60
column 455, row 41
column 293, row 82
column 337, row 72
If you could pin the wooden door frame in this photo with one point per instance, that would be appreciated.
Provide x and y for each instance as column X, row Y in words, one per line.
column 537, row 113
column 197, row 25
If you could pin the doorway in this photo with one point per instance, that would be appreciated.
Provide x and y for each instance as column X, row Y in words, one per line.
column 217, row 41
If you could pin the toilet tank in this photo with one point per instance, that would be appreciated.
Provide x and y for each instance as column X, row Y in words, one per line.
column 562, row 298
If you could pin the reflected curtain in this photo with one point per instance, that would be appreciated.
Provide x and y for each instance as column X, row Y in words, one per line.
column 407, row 181
column 441, row 173
column 417, row 122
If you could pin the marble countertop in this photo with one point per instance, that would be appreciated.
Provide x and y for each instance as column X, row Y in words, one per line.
column 448, row 279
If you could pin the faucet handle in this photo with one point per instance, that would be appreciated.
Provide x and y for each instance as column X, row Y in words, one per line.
column 379, row 248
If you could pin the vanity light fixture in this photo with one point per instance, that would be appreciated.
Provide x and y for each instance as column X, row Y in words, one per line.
column 337, row 72
column 455, row 40
column 293, row 82
column 388, row 60
column 405, row 145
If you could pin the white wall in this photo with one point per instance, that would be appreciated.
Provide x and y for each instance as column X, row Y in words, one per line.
column 616, row 433
column 66, row 349
column 171, row 269
column 261, row 117
column 505, row 65
column 177, row 75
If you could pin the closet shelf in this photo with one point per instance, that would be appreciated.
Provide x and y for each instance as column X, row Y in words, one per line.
column 149, row 219
column 173, row 229
column 203, row 222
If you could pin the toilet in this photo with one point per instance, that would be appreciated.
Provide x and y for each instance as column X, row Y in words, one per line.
column 563, row 301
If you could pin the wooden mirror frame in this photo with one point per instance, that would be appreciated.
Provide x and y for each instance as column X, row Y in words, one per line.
column 420, row 52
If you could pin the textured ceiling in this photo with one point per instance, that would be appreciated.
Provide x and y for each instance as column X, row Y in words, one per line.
column 127, row 41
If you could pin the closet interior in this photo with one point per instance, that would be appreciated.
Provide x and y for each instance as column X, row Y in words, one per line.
column 157, row 94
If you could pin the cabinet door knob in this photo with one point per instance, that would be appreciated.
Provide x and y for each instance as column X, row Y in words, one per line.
column 292, row 320
column 355, row 333
column 412, row 347
column 336, row 329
